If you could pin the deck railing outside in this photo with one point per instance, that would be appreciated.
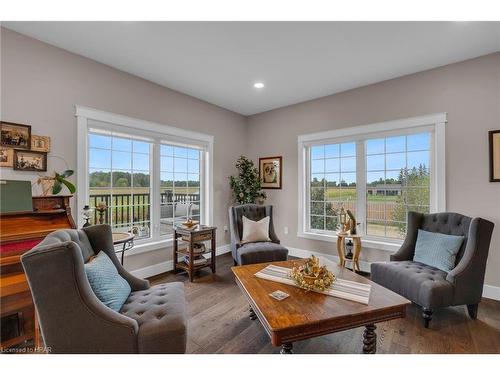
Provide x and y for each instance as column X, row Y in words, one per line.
column 125, row 209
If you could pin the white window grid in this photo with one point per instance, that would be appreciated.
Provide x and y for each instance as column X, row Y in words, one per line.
column 387, row 210
column 126, row 206
column 333, row 171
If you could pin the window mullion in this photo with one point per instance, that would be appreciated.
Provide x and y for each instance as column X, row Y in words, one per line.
column 307, row 190
column 361, row 185
column 155, row 190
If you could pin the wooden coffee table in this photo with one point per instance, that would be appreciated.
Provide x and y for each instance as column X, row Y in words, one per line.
column 304, row 315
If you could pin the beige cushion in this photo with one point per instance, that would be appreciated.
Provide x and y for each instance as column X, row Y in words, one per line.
column 255, row 231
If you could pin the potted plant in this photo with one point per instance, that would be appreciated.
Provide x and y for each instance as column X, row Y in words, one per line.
column 261, row 198
column 54, row 184
column 246, row 186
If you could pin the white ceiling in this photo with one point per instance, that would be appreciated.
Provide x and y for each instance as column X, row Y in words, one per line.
column 219, row 61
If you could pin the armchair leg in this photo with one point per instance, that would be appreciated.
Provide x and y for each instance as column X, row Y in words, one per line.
column 472, row 309
column 235, row 263
column 427, row 315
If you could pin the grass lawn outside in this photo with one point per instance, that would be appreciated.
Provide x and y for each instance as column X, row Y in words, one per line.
column 349, row 193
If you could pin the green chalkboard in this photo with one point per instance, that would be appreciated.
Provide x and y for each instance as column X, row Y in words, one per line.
column 15, row 196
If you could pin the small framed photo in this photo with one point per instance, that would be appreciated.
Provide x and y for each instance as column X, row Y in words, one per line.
column 15, row 135
column 494, row 136
column 6, row 157
column 30, row 161
column 279, row 295
column 270, row 172
column 40, row 143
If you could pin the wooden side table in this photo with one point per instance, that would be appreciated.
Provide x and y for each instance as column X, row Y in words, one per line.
column 199, row 233
column 356, row 239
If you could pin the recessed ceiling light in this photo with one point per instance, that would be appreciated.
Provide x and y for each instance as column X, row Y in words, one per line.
column 258, row 85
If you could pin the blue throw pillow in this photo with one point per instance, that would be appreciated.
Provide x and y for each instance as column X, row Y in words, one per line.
column 107, row 284
column 437, row 249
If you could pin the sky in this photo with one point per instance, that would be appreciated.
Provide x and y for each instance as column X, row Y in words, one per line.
column 385, row 157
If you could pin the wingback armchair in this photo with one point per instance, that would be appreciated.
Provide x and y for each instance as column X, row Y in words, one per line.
column 254, row 252
column 73, row 320
column 430, row 287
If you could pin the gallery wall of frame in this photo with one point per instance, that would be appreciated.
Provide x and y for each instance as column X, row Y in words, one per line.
column 21, row 150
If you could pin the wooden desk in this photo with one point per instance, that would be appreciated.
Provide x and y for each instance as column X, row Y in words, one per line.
column 16, row 300
column 305, row 315
column 19, row 232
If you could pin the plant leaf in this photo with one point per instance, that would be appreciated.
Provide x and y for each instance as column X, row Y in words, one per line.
column 57, row 187
column 69, row 185
column 67, row 173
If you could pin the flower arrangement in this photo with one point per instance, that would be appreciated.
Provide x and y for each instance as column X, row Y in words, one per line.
column 246, row 186
column 312, row 276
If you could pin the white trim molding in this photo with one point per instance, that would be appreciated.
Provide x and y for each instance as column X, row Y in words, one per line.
column 434, row 123
column 491, row 292
column 388, row 246
column 156, row 133
column 134, row 123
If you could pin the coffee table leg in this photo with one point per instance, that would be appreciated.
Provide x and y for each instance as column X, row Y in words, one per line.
column 253, row 316
column 370, row 339
column 286, row 348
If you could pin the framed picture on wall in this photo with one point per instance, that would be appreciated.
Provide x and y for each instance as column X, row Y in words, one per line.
column 40, row 143
column 271, row 172
column 6, row 157
column 30, row 161
column 494, row 136
column 15, row 135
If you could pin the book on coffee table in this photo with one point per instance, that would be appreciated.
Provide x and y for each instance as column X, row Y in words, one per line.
column 346, row 289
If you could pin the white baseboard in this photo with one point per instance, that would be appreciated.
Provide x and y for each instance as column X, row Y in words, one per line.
column 301, row 253
column 492, row 292
column 489, row 291
column 158, row 268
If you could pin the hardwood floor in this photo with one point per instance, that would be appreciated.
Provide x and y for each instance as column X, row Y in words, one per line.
column 219, row 323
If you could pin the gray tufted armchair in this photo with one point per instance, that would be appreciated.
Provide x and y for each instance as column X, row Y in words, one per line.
column 73, row 320
column 254, row 252
column 430, row 287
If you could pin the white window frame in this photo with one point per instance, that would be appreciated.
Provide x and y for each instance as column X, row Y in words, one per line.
column 158, row 132
column 434, row 123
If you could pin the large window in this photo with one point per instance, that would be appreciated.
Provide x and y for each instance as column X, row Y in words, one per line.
column 333, row 183
column 378, row 175
column 119, row 176
column 150, row 177
column 397, row 181
column 180, row 185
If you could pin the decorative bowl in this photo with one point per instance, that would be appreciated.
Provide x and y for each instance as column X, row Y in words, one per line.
column 190, row 223
column 312, row 276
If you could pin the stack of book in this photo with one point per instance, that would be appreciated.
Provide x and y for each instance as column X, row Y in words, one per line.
column 197, row 259
column 345, row 289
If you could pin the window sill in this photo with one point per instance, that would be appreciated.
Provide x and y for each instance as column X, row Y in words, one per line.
column 391, row 247
column 146, row 246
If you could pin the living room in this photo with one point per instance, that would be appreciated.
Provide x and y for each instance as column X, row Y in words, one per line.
column 260, row 187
